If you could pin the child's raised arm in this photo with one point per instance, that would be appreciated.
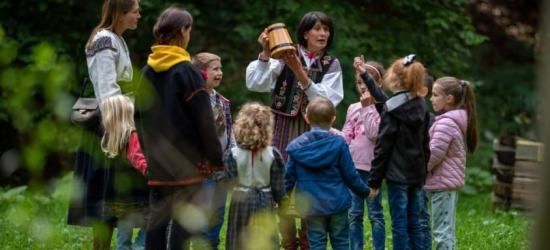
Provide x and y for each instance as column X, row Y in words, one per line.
column 375, row 91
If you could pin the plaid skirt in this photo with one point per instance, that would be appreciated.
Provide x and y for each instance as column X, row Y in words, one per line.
column 286, row 129
column 252, row 221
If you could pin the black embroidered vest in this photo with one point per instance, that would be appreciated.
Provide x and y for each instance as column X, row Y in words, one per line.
column 287, row 98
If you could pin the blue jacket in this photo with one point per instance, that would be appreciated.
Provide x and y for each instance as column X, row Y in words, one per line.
column 321, row 166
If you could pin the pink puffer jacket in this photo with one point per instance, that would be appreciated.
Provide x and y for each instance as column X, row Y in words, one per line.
column 447, row 165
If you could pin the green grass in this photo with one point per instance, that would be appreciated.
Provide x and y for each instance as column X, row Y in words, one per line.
column 477, row 226
column 38, row 221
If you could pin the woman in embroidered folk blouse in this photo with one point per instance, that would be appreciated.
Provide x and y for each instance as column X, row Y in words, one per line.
column 296, row 79
column 309, row 73
column 110, row 71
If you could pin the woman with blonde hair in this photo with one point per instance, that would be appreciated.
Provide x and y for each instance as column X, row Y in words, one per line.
column 110, row 71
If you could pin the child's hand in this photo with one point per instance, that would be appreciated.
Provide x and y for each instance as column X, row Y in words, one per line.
column 359, row 64
column 366, row 99
column 373, row 193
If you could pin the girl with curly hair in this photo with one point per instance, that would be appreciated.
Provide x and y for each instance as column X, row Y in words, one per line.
column 256, row 169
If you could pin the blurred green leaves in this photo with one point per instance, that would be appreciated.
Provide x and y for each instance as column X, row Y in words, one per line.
column 8, row 49
column 41, row 65
column 36, row 101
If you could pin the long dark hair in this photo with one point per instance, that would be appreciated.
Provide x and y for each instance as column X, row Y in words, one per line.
column 167, row 30
column 464, row 98
column 111, row 13
column 307, row 23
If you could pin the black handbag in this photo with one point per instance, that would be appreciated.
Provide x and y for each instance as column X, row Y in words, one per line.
column 86, row 110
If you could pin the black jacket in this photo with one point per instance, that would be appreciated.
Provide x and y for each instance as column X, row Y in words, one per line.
column 177, row 128
column 402, row 148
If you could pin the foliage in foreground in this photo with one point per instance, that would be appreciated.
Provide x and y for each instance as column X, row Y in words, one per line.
column 38, row 221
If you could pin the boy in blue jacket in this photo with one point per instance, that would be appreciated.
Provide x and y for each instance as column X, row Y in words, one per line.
column 321, row 166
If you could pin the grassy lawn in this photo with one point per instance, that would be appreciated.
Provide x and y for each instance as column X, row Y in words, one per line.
column 38, row 221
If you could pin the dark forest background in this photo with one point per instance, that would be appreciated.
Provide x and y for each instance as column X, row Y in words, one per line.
column 491, row 43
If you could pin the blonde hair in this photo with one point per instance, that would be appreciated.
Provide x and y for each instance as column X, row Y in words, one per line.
column 320, row 112
column 254, row 126
column 202, row 60
column 117, row 113
column 410, row 77
column 464, row 98
column 111, row 13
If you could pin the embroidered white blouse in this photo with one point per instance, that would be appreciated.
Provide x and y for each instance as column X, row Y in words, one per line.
column 262, row 77
column 108, row 63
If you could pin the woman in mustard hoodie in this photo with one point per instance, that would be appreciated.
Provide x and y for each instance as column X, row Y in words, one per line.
column 178, row 133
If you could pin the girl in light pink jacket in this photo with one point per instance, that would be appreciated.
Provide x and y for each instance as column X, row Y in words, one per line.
column 360, row 131
column 454, row 101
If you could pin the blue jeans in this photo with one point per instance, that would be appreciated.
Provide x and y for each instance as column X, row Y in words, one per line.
column 336, row 226
column 218, row 198
column 376, row 217
column 424, row 220
column 404, row 201
column 125, row 232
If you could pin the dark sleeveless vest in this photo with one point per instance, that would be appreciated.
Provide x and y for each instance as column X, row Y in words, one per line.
column 287, row 98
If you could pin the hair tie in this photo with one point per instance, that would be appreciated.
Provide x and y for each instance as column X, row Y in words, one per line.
column 257, row 121
column 408, row 60
column 463, row 97
column 374, row 68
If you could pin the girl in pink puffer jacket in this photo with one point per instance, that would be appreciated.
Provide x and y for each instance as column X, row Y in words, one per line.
column 454, row 100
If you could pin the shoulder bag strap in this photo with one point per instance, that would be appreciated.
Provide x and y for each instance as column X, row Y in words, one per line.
column 83, row 86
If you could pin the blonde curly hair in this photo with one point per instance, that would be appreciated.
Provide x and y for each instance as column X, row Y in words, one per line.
column 254, row 126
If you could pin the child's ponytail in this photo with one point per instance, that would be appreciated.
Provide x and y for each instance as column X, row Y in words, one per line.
column 464, row 98
column 469, row 104
column 406, row 74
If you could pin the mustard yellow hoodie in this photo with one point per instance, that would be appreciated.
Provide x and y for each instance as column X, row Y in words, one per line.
column 166, row 56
